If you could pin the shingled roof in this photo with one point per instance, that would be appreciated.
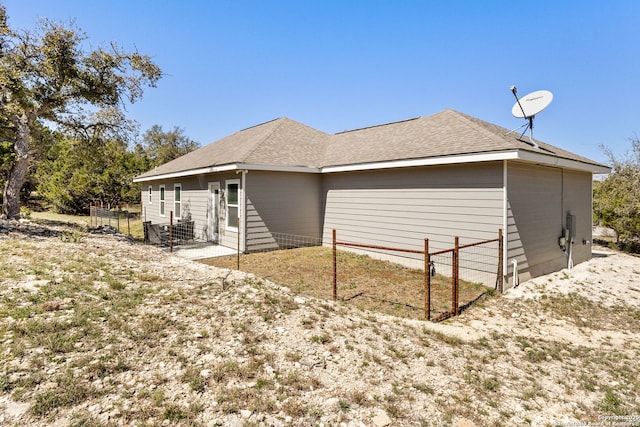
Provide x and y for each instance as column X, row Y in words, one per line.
column 286, row 143
column 280, row 142
column 446, row 133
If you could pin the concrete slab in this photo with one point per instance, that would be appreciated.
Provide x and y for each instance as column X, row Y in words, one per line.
column 201, row 250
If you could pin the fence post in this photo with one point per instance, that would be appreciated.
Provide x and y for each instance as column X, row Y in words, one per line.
column 128, row 223
column 454, row 288
column 170, row 231
column 427, row 281
column 118, row 213
column 238, row 248
column 335, row 268
column 500, row 260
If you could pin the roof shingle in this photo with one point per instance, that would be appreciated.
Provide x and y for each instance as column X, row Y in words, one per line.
column 285, row 142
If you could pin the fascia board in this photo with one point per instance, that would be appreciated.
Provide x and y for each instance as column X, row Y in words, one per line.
column 560, row 162
column 225, row 168
column 191, row 172
column 525, row 156
column 430, row 161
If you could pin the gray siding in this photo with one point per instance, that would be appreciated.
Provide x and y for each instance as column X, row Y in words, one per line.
column 282, row 203
column 402, row 207
column 539, row 199
column 577, row 191
column 195, row 204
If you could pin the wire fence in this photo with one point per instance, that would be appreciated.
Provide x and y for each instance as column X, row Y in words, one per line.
column 471, row 266
column 100, row 216
column 437, row 284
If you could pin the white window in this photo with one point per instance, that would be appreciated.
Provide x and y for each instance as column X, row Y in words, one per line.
column 162, row 200
column 233, row 204
column 150, row 193
column 177, row 200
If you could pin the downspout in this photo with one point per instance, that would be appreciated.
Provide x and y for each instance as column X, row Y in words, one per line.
column 243, row 212
column 505, row 211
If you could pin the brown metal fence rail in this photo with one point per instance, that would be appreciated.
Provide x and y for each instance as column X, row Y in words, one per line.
column 429, row 269
column 455, row 254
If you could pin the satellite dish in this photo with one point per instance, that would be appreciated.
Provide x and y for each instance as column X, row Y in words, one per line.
column 529, row 106
column 532, row 104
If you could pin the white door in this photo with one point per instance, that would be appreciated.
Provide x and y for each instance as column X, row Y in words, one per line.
column 214, row 212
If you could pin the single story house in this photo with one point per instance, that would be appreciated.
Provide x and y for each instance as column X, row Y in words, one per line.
column 438, row 176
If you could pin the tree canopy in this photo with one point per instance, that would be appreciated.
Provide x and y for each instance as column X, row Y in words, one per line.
column 161, row 147
column 616, row 199
column 48, row 78
column 98, row 166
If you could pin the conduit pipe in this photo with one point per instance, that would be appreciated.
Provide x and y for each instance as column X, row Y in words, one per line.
column 515, row 272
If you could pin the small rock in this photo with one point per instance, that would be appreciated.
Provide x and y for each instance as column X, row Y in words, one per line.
column 299, row 300
column 332, row 401
column 245, row 413
column 381, row 420
column 463, row 422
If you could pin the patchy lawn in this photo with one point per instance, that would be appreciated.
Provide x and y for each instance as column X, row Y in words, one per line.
column 365, row 282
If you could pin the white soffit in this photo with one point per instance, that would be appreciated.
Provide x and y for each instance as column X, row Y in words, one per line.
column 525, row 156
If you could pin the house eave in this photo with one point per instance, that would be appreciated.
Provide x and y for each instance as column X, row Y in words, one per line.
column 561, row 162
column 226, row 168
column 191, row 172
column 521, row 155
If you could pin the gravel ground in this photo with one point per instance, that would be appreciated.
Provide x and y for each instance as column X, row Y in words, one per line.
column 99, row 330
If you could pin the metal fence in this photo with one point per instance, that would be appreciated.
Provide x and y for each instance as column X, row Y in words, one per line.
column 117, row 218
column 439, row 284
column 479, row 262
column 474, row 263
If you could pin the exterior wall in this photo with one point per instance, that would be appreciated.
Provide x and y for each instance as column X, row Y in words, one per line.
column 577, row 200
column 279, row 202
column 401, row 207
column 196, row 204
column 538, row 201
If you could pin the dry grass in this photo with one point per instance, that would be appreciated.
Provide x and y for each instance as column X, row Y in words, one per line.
column 365, row 282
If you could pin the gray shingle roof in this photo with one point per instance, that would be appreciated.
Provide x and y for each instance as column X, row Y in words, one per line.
column 446, row 133
column 280, row 142
column 285, row 142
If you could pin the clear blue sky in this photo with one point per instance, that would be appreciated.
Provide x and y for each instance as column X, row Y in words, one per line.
column 340, row 64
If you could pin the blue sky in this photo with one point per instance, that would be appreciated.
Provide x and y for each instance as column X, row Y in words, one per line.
column 338, row 65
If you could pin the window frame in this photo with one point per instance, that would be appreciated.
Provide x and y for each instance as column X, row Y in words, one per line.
column 162, row 195
column 177, row 202
column 230, row 227
column 150, row 193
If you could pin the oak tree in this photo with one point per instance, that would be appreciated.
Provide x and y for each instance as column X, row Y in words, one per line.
column 616, row 199
column 48, row 78
column 161, row 147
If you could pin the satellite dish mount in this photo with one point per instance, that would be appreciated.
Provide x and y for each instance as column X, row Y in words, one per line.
column 529, row 106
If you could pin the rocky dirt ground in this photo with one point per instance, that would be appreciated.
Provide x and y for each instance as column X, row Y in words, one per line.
column 97, row 330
